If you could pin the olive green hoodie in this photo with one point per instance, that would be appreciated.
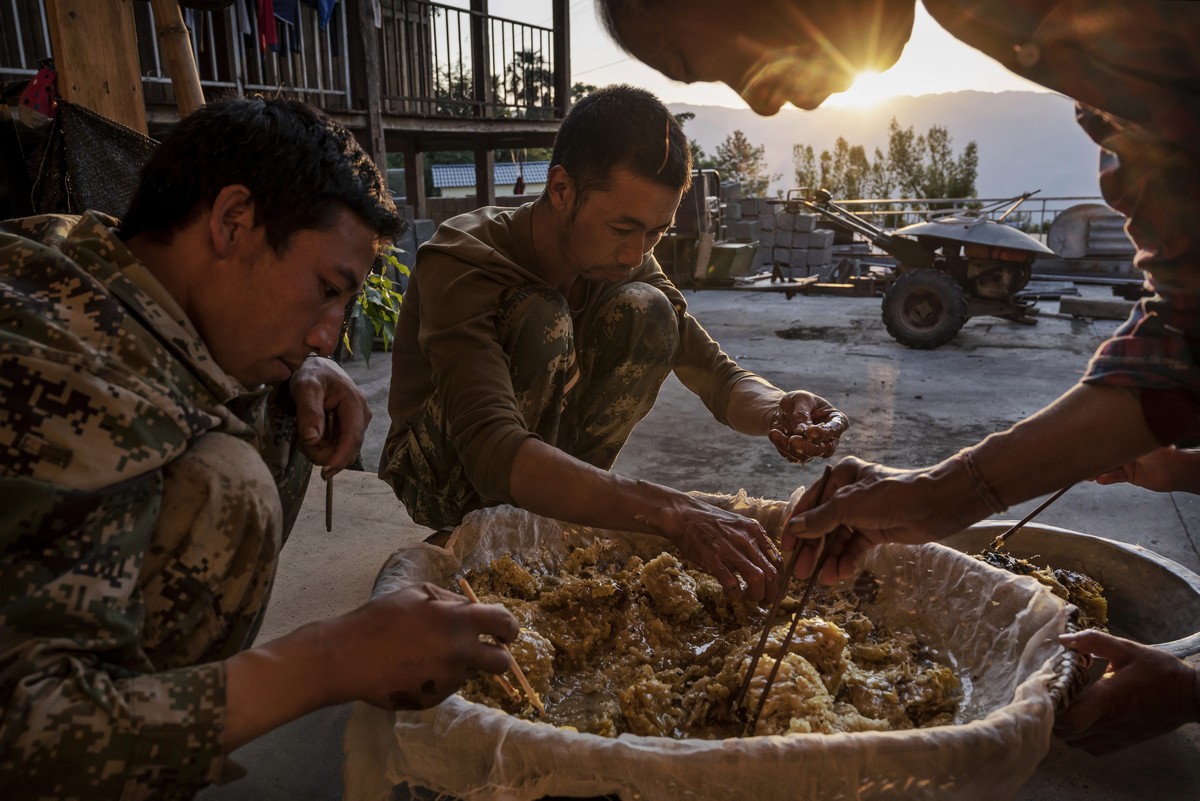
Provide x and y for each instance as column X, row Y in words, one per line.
column 446, row 340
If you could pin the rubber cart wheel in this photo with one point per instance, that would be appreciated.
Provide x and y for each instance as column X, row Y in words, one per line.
column 924, row 309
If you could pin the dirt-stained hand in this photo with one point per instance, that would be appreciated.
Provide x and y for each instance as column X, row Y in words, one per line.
column 732, row 548
column 331, row 414
column 806, row 426
column 412, row 648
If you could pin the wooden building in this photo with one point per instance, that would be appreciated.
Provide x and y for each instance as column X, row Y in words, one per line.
column 406, row 76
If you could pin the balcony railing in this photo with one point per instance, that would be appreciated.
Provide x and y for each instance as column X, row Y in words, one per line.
column 24, row 38
column 450, row 62
column 434, row 60
column 307, row 61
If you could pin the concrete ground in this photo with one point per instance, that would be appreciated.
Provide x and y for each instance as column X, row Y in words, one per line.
column 908, row 408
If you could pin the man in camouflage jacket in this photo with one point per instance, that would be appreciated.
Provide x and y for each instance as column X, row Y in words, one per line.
column 160, row 411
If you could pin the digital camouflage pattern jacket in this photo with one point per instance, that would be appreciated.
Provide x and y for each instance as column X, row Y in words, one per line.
column 105, row 385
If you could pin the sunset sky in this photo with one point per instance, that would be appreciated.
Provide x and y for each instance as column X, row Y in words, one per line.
column 932, row 62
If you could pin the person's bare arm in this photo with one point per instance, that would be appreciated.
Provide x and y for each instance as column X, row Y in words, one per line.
column 1086, row 431
column 405, row 650
column 1089, row 429
column 551, row 483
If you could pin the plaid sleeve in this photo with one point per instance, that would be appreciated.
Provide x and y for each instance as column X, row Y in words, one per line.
column 1155, row 351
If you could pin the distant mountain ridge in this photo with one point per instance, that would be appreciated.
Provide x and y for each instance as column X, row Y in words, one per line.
column 1027, row 140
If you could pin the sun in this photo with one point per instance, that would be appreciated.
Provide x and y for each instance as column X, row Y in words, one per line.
column 868, row 89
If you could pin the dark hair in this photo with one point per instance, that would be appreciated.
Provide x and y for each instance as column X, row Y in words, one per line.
column 622, row 126
column 302, row 170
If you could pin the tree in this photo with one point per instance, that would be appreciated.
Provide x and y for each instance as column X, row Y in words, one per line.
column 699, row 159
column 738, row 160
column 529, row 82
column 904, row 160
column 581, row 90
column 804, row 161
column 880, row 183
column 454, row 91
column 914, row 166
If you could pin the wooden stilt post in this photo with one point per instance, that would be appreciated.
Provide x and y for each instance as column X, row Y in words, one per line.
column 96, row 57
column 176, row 47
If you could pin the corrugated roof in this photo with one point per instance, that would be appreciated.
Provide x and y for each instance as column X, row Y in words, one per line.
column 447, row 176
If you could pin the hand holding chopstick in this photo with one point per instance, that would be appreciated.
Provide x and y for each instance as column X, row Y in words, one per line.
column 790, row 566
column 530, row 693
column 748, row 729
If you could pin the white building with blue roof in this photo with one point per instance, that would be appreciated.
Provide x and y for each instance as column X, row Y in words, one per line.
column 458, row 180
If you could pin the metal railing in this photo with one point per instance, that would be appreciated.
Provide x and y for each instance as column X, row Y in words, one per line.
column 451, row 62
column 308, row 59
column 24, row 38
column 435, row 60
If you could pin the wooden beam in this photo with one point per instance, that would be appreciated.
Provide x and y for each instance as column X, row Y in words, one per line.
column 376, row 145
column 94, row 45
column 414, row 179
column 562, row 58
column 485, row 177
column 481, row 87
column 1095, row 309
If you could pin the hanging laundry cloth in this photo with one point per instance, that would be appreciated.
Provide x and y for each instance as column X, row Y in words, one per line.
column 267, row 38
column 39, row 96
column 324, row 10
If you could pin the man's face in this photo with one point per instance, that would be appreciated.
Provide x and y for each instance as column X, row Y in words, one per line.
column 611, row 230
column 771, row 52
column 271, row 311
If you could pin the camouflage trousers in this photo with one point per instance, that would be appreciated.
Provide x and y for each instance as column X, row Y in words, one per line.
column 208, row 573
column 582, row 391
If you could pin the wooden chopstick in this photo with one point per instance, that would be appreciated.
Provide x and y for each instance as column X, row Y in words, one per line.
column 530, row 693
column 748, row 729
column 329, row 504
column 998, row 543
column 790, row 566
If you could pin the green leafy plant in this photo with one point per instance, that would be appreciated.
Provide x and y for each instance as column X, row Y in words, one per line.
column 373, row 314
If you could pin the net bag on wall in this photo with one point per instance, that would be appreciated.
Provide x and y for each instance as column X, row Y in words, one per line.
column 89, row 163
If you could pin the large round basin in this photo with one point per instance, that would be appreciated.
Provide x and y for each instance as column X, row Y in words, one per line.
column 1151, row 599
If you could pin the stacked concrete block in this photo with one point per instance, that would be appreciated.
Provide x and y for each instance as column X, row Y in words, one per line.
column 764, row 215
column 786, row 239
column 821, row 238
column 743, row 230
column 794, row 251
column 790, row 240
column 820, row 249
column 806, row 222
